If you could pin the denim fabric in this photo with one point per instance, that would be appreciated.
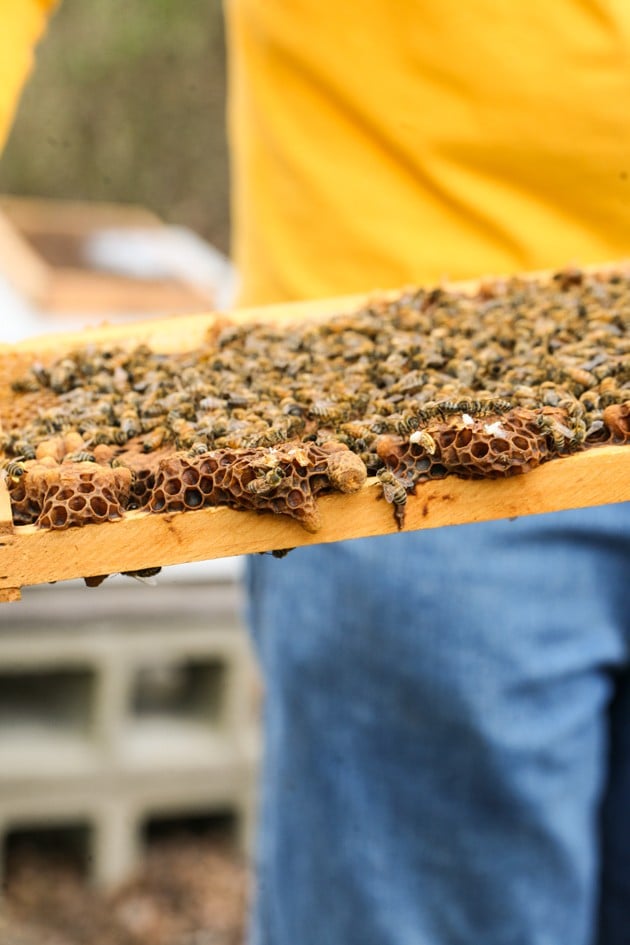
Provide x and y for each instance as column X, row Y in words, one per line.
column 448, row 736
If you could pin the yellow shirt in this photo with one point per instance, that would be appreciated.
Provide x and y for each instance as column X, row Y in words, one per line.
column 21, row 25
column 392, row 141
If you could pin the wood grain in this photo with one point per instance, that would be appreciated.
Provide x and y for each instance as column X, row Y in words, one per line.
column 141, row 539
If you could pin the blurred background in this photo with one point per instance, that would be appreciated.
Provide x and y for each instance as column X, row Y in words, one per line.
column 127, row 104
column 129, row 738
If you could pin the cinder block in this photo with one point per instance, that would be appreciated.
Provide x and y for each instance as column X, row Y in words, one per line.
column 124, row 704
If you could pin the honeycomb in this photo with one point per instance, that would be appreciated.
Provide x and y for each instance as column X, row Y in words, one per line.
column 285, row 479
column 71, row 494
column 426, row 385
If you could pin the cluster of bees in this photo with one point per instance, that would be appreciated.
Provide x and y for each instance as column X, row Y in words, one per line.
column 396, row 366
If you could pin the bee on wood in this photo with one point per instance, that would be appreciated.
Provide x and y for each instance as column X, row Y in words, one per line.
column 393, row 490
column 144, row 575
column 263, row 485
column 395, row 493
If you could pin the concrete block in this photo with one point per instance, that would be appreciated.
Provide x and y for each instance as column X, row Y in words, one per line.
column 124, row 704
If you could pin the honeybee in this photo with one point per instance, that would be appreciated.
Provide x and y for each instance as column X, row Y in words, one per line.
column 144, row 575
column 25, row 385
column 425, row 440
column 578, row 432
column 62, row 375
column 323, row 409
column 154, row 439
column 393, row 490
column 118, row 463
column 595, row 427
column 560, row 435
column 609, row 392
column 407, row 425
column 581, row 377
column 410, row 383
column 270, row 438
column 573, row 408
column 590, row 400
column 14, row 469
column 198, row 449
column 80, row 456
column 185, row 432
column 24, row 449
column 265, row 484
column 129, row 423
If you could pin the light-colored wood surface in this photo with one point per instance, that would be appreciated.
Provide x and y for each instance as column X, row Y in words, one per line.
column 29, row 556
column 143, row 540
column 76, row 217
column 70, row 288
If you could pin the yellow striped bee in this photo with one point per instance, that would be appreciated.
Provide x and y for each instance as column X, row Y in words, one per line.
column 24, row 449
column 80, row 456
column 393, row 489
column 265, row 484
column 425, row 440
column 154, row 439
column 14, row 469
column 197, row 449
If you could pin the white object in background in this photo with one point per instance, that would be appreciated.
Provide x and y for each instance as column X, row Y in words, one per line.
column 170, row 251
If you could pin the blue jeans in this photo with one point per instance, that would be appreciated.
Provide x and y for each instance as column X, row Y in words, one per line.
column 448, row 736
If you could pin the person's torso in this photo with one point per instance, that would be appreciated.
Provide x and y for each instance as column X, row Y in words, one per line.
column 384, row 143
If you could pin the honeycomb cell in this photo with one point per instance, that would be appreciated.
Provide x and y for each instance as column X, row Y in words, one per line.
column 193, row 498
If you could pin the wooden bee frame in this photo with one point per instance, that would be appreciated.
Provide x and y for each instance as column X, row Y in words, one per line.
column 29, row 555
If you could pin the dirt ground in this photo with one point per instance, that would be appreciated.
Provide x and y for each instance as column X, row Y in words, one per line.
column 188, row 892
